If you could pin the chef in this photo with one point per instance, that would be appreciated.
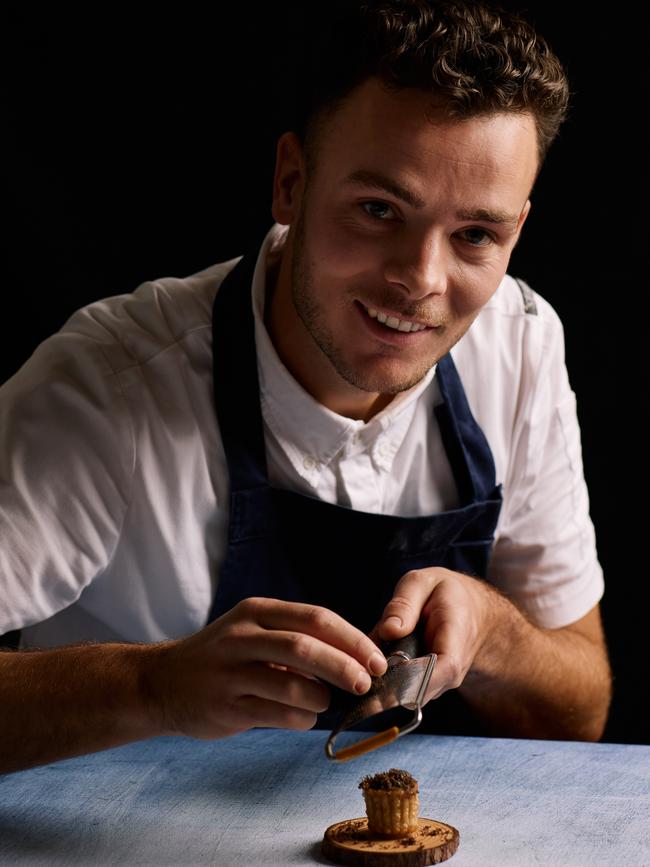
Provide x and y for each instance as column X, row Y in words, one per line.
column 220, row 493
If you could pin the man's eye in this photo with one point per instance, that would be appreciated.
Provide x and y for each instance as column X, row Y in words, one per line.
column 484, row 238
column 376, row 206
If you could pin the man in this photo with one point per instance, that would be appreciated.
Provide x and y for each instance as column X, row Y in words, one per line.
column 359, row 478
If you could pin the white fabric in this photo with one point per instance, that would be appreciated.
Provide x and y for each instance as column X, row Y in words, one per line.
column 113, row 482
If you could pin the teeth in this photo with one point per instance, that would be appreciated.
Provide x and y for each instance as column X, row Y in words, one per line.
column 393, row 321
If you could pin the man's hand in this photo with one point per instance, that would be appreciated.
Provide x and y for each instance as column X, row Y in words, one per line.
column 458, row 614
column 256, row 666
column 260, row 664
column 521, row 679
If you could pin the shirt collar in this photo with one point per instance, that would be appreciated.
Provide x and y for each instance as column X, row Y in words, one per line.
column 310, row 434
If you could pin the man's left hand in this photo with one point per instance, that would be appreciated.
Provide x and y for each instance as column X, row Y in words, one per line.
column 458, row 613
column 521, row 679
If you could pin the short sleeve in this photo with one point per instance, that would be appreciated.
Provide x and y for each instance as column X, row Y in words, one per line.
column 66, row 468
column 545, row 555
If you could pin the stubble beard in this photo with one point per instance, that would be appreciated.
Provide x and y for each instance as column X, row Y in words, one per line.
column 310, row 311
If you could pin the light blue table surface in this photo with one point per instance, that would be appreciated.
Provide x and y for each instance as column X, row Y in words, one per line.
column 266, row 797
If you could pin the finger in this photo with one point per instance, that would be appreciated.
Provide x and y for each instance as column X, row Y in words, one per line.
column 320, row 623
column 303, row 653
column 402, row 613
column 285, row 687
column 250, row 711
column 292, row 670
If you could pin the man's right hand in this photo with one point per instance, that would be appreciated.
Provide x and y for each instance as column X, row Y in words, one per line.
column 262, row 663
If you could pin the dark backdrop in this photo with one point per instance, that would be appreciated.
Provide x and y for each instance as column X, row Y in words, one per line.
column 142, row 145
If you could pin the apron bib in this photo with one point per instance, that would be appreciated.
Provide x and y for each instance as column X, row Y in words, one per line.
column 289, row 546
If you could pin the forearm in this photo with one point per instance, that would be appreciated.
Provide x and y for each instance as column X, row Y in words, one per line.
column 68, row 701
column 539, row 683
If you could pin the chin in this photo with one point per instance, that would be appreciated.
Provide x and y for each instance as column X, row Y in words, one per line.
column 386, row 381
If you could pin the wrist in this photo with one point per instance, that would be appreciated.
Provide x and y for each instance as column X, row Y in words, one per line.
column 502, row 629
column 152, row 665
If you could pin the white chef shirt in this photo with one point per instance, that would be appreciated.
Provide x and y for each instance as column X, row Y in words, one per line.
column 113, row 480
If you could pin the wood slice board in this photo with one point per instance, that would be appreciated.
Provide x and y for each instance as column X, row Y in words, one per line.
column 349, row 842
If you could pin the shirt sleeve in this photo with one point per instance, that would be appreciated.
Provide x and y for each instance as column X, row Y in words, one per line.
column 545, row 555
column 66, row 465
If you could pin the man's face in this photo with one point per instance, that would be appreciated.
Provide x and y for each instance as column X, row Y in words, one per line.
column 398, row 239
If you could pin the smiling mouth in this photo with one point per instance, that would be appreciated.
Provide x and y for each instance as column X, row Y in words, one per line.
column 392, row 321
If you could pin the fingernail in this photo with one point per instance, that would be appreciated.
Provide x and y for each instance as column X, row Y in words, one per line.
column 377, row 664
column 393, row 621
column 363, row 683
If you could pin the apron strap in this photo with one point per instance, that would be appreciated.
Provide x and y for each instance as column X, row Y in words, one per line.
column 465, row 443
column 236, row 386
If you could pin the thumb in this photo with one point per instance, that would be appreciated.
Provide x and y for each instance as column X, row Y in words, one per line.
column 399, row 619
column 402, row 614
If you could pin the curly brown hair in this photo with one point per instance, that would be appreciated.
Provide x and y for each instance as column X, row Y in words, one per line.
column 474, row 59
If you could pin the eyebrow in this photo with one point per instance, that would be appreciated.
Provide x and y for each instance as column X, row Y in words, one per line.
column 367, row 178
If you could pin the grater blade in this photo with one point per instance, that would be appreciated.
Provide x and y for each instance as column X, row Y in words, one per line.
column 403, row 685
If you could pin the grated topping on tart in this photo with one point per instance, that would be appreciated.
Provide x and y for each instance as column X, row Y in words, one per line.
column 390, row 780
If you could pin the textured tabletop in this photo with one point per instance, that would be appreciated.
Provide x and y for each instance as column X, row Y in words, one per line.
column 266, row 797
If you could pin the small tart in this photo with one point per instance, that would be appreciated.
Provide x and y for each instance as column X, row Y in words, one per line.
column 392, row 803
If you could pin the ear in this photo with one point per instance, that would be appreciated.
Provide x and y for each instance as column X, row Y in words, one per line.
column 288, row 180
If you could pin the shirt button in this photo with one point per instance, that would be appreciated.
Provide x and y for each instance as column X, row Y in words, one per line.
column 308, row 463
column 383, row 448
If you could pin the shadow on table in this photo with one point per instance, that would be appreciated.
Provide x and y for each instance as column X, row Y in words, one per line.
column 75, row 843
column 67, row 841
column 232, row 779
column 314, row 853
column 47, row 837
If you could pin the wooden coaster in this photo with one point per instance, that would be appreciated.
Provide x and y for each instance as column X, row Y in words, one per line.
column 349, row 842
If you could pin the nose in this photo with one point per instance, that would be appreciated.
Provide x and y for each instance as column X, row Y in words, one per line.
column 419, row 266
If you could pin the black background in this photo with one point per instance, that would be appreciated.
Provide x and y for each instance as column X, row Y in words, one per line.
column 142, row 144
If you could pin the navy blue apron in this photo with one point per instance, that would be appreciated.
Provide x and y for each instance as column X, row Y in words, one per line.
column 289, row 546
